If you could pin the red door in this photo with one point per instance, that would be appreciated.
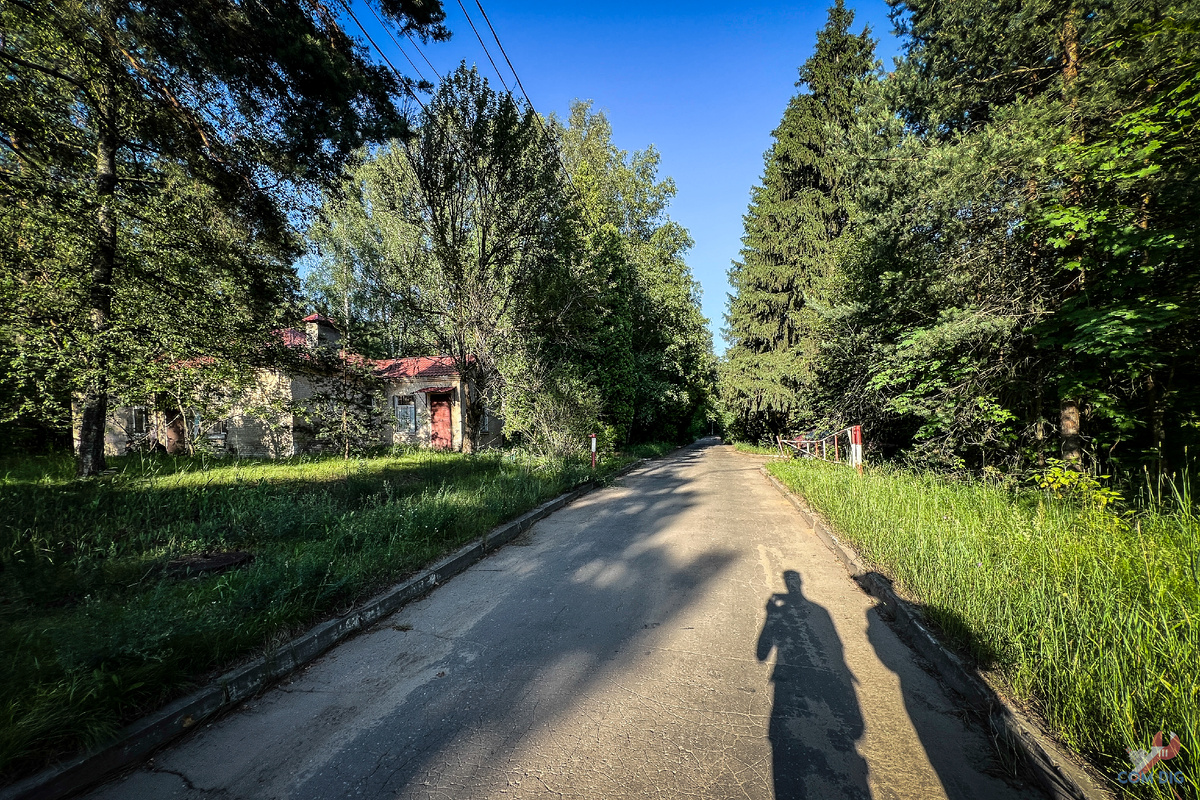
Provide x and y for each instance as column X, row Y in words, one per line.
column 439, row 413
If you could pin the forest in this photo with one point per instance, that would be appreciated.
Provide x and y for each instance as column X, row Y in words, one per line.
column 177, row 183
column 986, row 253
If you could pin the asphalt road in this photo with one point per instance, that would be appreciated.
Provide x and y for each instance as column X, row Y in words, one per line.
column 677, row 635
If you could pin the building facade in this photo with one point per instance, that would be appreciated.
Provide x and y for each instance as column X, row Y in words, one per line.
column 421, row 403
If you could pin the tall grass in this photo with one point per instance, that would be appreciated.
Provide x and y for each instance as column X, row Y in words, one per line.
column 95, row 630
column 756, row 449
column 1090, row 616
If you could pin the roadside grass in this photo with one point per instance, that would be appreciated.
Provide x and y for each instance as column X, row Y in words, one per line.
column 755, row 449
column 1089, row 616
column 647, row 450
column 95, row 630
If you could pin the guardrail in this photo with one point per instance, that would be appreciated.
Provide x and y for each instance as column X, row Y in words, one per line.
column 844, row 446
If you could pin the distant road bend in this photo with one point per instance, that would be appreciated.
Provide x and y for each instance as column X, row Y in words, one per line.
column 678, row 635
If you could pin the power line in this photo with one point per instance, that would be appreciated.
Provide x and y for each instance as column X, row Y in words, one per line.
column 421, row 53
column 388, row 31
column 482, row 44
column 403, row 80
column 525, row 94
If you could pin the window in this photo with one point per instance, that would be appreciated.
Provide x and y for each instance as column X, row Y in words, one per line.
column 405, row 411
column 485, row 424
column 141, row 421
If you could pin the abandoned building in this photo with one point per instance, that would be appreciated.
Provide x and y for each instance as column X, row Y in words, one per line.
column 422, row 402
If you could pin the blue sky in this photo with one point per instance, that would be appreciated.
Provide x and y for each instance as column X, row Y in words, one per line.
column 703, row 82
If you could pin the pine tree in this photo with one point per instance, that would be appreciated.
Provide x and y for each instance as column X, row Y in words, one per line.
column 793, row 219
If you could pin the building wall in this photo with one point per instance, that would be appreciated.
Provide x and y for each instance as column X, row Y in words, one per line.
column 421, row 437
column 258, row 427
column 393, row 435
column 118, row 431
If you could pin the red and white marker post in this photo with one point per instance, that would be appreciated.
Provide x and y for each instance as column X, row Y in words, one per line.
column 856, row 448
column 592, row 436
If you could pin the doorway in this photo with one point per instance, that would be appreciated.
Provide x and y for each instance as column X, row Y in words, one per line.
column 440, row 434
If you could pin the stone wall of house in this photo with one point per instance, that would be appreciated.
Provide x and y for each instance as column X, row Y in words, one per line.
column 118, row 431
column 257, row 427
column 254, row 437
column 393, row 435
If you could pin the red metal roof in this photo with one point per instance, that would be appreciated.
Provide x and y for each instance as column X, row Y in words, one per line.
column 386, row 368
column 319, row 318
column 417, row 367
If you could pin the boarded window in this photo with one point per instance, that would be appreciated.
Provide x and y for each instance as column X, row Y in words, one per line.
column 405, row 410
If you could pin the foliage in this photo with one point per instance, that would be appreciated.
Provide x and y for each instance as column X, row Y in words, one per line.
column 786, row 278
column 150, row 154
column 344, row 413
column 755, row 449
column 568, row 305
column 1019, row 237
column 649, row 353
column 464, row 230
column 1088, row 616
column 1080, row 487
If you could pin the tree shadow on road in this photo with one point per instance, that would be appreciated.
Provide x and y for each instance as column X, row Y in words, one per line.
column 578, row 613
column 815, row 717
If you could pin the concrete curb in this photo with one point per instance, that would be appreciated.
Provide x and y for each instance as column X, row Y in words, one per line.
column 153, row 731
column 1058, row 773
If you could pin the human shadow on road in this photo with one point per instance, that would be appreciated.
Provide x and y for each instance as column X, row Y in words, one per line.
column 815, row 717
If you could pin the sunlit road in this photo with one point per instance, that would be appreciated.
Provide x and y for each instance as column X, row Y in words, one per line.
column 679, row 634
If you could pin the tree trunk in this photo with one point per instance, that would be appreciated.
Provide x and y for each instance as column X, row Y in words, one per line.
column 1158, row 428
column 472, row 411
column 93, row 399
column 1070, row 45
column 1072, row 441
column 1040, row 430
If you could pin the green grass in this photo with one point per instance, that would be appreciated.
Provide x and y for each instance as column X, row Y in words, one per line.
column 649, row 450
column 93, row 629
column 1089, row 616
column 755, row 449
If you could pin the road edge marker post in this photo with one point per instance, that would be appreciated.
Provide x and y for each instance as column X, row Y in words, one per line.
column 592, row 436
column 856, row 448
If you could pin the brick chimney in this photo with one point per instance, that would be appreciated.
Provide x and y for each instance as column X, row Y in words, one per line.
column 321, row 332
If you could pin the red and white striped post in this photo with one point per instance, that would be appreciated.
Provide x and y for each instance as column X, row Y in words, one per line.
column 856, row 448
column 592, row 436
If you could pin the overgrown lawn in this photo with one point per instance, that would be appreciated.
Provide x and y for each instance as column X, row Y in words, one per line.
column 1092, row 617
column 96, row 629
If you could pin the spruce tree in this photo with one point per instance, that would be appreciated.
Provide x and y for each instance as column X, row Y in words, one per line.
column 794, row 217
